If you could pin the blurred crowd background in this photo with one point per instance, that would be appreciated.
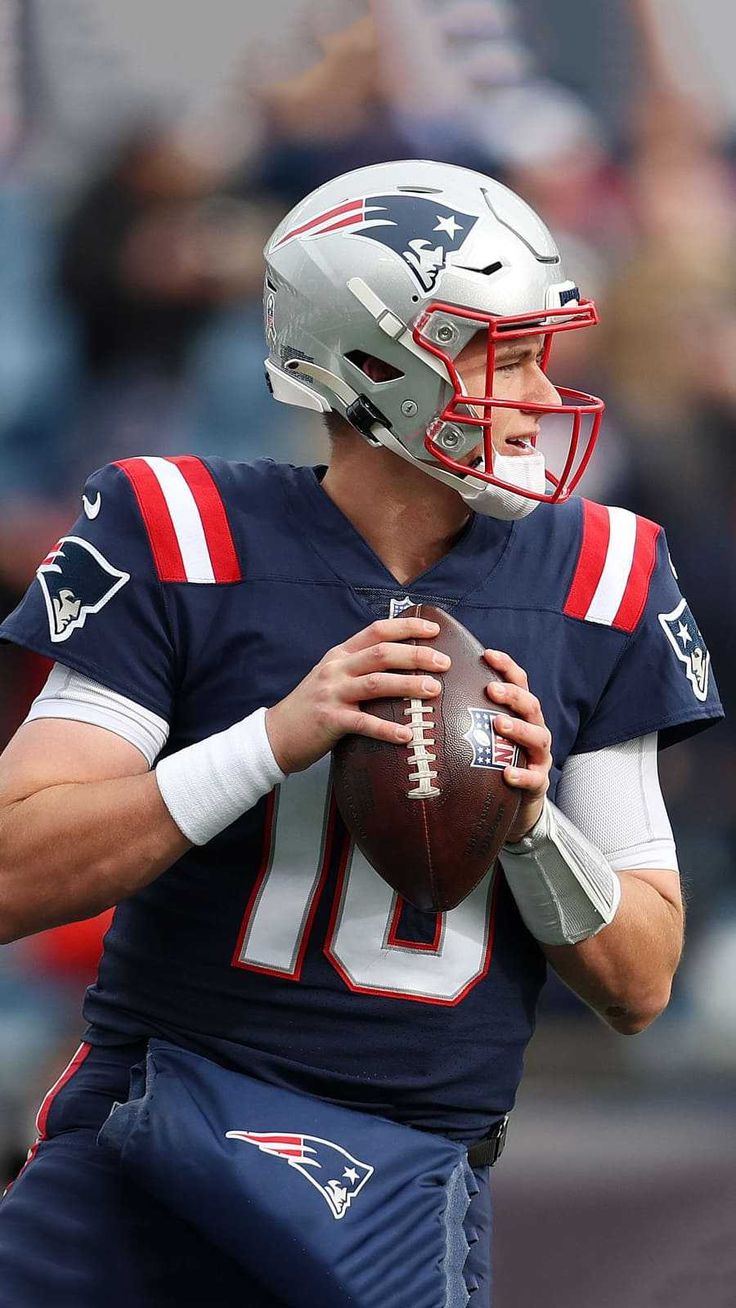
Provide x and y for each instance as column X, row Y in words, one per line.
column 147, row 151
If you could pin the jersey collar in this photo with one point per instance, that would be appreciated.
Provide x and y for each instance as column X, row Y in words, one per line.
column 348, row 555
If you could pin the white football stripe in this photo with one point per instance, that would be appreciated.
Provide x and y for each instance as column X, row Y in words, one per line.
column 617, row 568
column 186, row 519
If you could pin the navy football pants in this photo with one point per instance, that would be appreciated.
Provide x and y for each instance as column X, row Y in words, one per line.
column 75, row 1233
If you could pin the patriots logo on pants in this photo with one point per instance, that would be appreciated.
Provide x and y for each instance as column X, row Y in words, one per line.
column 334, row 1172
column 420, row 230
column 76, row 580
column 489, row 749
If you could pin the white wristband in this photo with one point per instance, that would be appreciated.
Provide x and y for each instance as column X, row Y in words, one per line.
column 207, row 786
column 564, row 887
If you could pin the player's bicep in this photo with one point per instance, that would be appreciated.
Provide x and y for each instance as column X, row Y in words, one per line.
column 51, row 752
column 664, row 881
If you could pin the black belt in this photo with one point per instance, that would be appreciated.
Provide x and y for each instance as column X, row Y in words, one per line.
column 486, row 1152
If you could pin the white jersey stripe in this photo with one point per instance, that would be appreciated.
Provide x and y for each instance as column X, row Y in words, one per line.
column 619, row 559
column 186, row 519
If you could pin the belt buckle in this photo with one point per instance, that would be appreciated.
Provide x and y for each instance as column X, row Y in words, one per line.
column 500, row 1140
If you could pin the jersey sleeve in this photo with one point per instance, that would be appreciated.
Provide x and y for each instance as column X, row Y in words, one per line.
column 97, row 605
column 663, row 680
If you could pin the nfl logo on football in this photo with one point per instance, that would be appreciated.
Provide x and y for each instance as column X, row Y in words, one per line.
column 489, row 749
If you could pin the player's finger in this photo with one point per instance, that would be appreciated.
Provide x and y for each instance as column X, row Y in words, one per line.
column 536, row 740
column 517, row 700
column 390, row 656
column 503, row 663
column 359, row 723
column 389, row 685
column 391, row 629
column 526, row 779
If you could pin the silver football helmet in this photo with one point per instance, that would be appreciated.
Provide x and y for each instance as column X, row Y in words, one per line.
column 405, row 262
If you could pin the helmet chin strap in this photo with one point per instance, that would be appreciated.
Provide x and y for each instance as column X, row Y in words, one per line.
column 481, row 496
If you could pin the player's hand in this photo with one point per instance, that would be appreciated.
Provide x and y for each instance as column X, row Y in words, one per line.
column 528, row 729
column 372, row 664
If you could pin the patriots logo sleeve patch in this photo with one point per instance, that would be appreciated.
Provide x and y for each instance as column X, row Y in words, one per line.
column 690, row 649
column 76, row 580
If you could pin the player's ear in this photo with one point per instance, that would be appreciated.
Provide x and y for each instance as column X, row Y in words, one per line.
column 377, row 370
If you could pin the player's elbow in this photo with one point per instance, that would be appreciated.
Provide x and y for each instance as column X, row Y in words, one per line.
column 636, row 1015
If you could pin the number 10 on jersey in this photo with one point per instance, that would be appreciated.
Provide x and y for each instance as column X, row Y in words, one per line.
column 362, row 941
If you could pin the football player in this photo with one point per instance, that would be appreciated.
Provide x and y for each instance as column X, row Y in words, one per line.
column 292, row 1084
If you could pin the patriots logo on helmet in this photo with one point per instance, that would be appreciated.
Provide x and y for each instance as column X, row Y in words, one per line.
column 337, row 1175
column 489, row 749
column 76, row 580
column 682, row 632
column 418, row 229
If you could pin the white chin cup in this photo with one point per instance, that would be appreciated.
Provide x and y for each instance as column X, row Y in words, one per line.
column 523, row 470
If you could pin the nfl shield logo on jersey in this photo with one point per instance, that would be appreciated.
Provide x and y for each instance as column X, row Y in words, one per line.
column 399, row 606
column 327, row 1166
column 489, row 749
column 682, row 632
column 76, row 580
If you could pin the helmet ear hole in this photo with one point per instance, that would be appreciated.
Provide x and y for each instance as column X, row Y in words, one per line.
column 377, row 370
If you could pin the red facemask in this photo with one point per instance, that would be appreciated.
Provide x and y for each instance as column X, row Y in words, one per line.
column 576, row 405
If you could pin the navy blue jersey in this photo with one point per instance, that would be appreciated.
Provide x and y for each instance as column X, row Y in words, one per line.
column 204, row 590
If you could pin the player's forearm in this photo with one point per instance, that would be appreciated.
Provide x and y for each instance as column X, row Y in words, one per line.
column 625, row 971
column 69, row 851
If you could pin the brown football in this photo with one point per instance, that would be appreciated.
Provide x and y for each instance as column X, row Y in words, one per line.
column 432, row 815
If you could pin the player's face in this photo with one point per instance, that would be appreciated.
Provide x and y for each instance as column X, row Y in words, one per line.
column 518, row 375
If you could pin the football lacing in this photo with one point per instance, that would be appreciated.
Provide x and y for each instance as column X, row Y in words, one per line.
column 425, row 775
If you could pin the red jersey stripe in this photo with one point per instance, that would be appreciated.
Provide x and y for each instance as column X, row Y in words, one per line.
column 637, row 587
column 155, row 513
column 591, row 559
column 199, row 479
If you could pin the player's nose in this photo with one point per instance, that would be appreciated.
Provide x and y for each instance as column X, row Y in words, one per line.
column 541, row 391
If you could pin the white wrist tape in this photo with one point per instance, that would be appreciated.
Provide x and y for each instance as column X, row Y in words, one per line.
column 564, row 887
column 207, row 786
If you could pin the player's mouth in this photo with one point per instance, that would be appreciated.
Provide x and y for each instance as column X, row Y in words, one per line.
column 515, row 446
